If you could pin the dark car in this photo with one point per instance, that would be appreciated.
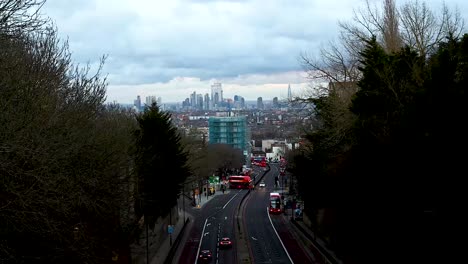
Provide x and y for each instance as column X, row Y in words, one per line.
column 205, row 256
column 225, row 242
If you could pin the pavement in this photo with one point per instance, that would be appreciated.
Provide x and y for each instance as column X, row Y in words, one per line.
column 165, row 252
column 314, row 246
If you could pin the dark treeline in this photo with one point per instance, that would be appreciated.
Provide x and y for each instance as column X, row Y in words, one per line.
column 77, row 175
column 380, row 175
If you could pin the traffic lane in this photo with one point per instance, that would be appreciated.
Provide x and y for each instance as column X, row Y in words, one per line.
column 220, row 224
column 226, row 229
column 222, row 214
column 189, row 251
column 264, row 244
column 190, row 247
column 293, row 246
column 269, row 179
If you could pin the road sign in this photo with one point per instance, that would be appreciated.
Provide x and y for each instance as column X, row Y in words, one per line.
column 214, row 179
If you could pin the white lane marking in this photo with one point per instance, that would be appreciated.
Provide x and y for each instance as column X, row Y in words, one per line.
column 230, row 200
column 271, row 222
column 201, row 239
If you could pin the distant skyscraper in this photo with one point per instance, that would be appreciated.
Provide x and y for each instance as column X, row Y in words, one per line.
column 275, row 102
column 260, row 103
column 193, row 99
column 289, row 92
column 239, row 102
column 137, row 103
column 216, row 94
column 207, row 102
column 150, row 100
column 199, row 102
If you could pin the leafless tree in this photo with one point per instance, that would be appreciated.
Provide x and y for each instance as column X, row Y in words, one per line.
column 64, row 156
column 19, row 16
column 413, row 24
column 423, row 29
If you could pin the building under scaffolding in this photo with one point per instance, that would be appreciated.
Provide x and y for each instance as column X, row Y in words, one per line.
column 230, row 130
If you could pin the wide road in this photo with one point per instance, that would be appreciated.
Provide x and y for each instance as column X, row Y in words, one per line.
column 270, row 240
column 212, row 222
column 215, row 220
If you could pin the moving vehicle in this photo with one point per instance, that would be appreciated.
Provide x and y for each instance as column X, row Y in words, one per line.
column 240, row 182
column 276, row 205
column 262, row 184
column 225, row 242
column 205, row 256
column 259, row 161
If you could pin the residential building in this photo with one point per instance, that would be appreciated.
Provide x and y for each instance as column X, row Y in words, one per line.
column 229, row 130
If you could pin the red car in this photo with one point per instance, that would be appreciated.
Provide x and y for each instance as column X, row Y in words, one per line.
column 225, row 242
column 205, row 256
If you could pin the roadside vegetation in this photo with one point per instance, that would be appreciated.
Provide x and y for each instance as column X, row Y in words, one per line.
column 378, row 173
column 77, row 175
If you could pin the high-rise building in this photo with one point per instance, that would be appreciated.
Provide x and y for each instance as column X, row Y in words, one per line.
column 239, row 102
column 150, row 100
column 229, row 130
column 289, row 92
column 199, row 102
column 259, row 103
column 137, row 103
column 193, row 99
column 160, row 103
column 207, row 102
column 216, row 94
column 275, row 102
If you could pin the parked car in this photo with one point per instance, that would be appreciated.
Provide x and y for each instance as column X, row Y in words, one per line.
column 205, row 256
column 225, row 242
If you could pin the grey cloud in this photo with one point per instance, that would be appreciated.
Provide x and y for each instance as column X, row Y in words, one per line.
column 156, row 41
column 242, row 44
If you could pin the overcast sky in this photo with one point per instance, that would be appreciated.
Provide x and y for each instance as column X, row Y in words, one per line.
column 171, row 48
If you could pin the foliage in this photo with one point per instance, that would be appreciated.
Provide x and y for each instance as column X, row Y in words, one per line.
column 160, row 163
column 390, row 162
column 63, row 155
column 393, row 148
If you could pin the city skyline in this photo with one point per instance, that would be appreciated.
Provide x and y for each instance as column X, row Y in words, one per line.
column 146, row 97
column 199, row 101
column 169, row 48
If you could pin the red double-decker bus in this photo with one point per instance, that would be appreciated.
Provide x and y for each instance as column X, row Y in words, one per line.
column 276, row 206
column 259, row 161
column 240, row 182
